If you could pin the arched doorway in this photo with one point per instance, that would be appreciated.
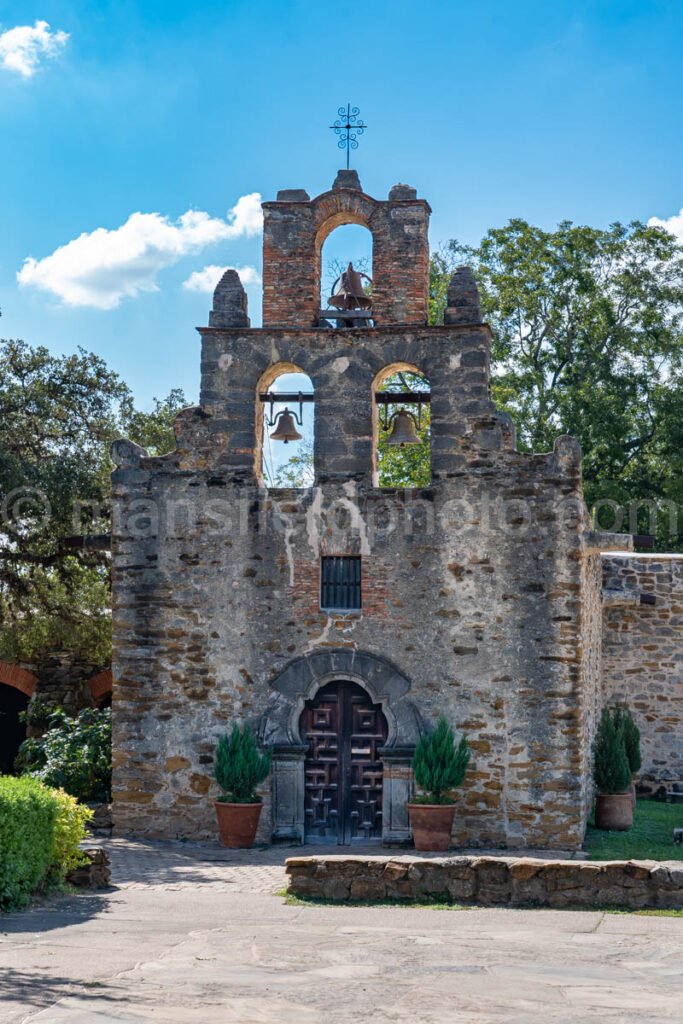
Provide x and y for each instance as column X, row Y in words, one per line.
column 343, row 731
column 12, row 729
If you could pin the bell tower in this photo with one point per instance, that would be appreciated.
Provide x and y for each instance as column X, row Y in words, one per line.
column 296, row 226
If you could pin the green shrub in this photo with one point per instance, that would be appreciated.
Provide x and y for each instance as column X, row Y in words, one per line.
column 69, row 829
column 611, row 769
column 40, row 829
column 438, row 765
column 631, row 732
column 239, row 766
column 74, row 754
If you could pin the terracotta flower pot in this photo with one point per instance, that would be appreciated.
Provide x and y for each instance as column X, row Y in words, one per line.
column 632, row 791
column 432, row 825
column 614, row 811
column 237, row 823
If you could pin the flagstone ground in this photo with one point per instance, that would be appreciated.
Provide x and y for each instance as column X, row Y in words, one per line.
column 194, row 933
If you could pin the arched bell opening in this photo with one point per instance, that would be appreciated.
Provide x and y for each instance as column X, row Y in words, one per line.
column 401, row 427
column 12, row 729
column 344, row 271
column 285, row 428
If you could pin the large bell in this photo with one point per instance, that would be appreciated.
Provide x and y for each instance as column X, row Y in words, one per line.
column 285, row 429
column 403, row 429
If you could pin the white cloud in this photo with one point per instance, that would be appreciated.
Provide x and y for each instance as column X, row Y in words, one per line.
column 102, row 267
column 674, row 224
column 206, row 280
column 22, row 48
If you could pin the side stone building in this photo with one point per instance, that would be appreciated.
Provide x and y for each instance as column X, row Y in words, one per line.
column 478, row 596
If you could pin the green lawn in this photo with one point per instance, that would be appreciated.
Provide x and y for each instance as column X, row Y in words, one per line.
column 651, row 837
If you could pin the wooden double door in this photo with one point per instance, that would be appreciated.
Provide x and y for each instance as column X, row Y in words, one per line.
column 343, row 731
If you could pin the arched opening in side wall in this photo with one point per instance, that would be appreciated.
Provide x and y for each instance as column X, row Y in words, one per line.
column 12, row 730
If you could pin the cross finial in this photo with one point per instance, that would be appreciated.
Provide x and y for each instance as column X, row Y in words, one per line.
column 348, row 127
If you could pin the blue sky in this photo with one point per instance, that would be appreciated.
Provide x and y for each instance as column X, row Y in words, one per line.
column 541, row 110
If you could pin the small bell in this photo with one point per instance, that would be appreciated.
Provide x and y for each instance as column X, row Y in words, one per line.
column 285, row 430
column 403, row 429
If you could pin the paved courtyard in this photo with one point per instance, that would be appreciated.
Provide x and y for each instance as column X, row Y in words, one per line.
column 194, row 933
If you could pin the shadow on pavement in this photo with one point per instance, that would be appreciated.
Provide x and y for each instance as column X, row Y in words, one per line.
column 37, row 991
column 56, row 912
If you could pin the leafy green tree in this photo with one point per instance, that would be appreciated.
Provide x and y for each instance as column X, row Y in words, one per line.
column 239, row 766
column 438, row 764
column 74, row 754
column 298, row 470
column 588, row 340
column 58, row 415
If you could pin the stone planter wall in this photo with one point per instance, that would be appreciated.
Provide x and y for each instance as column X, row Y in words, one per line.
column 490, row 881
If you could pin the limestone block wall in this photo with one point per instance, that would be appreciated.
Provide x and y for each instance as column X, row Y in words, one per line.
column 473, row 588
column 643, row 654
column 591, row 656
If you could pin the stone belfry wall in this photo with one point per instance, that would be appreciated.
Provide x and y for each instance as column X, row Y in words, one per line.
column 295, row 228
column 478, row 591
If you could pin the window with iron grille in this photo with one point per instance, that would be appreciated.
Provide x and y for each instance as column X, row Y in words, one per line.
column 340, row 583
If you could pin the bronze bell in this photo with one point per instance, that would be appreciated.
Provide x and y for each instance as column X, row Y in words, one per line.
column 403, row 429
column 285, row 430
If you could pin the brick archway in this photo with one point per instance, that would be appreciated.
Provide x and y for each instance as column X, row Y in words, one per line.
column 19, row 678
column 101, row 684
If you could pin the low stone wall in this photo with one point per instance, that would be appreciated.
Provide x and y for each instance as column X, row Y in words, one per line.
column 94, row 872
column 490, row 881
column 102, row 820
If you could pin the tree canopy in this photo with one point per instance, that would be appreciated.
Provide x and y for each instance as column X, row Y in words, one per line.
column 588, row 341
column 57, row 417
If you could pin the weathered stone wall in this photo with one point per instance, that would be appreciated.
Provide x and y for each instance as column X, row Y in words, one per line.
column 295, row 228
column 591, row 657
column 643, row 654
column 490, row 881
column 473, row 587
column 64, row 681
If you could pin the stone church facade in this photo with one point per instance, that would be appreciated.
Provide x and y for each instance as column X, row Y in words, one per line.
column 481, row 594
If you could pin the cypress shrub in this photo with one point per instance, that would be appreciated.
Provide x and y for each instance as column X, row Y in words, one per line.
column 438, row 765
column 239, row 766
column 611, row 769
column 631, row 739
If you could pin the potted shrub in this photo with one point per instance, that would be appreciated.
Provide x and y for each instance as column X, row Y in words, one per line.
column 632, row 745
column 238, row 770
column 438, row 767
column 612, row 775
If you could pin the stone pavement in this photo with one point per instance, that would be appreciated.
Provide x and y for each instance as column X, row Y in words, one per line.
column 194, row 934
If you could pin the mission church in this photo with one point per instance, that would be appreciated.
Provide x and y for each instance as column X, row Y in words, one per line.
column 342, row 617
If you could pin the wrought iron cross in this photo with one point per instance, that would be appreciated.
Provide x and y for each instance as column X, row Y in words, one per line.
column 348, row 127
